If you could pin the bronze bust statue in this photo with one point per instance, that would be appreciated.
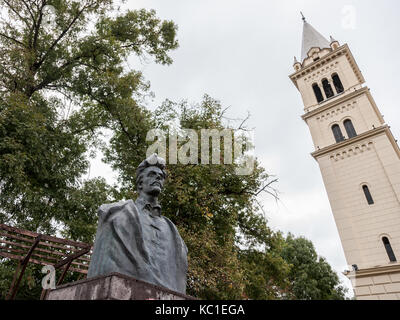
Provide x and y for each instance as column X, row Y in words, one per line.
column 134, row 239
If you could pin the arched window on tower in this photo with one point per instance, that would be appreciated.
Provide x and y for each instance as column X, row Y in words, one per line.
column 318, row 93
column 348, row 125
column 368, row 195
column 389, row 249
column 327, row 88
column 337, row 133
column 337, row 83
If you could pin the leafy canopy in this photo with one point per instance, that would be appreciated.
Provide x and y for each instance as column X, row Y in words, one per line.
column 63, row 84
column 311, row 277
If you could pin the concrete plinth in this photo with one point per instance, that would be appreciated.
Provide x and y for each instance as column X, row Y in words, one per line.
column 114, row 286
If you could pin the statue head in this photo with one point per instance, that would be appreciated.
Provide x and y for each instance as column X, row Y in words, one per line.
column 150, row 175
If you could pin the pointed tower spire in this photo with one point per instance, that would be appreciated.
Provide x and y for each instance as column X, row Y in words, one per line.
column 311, row 38
column 302, row 16
column 296, row 64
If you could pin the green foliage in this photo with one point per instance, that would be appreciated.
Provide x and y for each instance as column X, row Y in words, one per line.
column 266, row 273
column 218, row 215
column 214, row 269
column 38, row 162
column 311, row 276
column 30, row 285
column 62, row 86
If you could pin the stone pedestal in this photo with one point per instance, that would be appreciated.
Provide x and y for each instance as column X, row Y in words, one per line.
column 114, row 286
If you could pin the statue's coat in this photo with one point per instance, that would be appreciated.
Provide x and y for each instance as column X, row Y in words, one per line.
column 132, row 241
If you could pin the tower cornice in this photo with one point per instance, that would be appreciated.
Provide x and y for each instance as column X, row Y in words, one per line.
column 385, row 129
column 344, row 49
column 375, row 271
column 342, row 99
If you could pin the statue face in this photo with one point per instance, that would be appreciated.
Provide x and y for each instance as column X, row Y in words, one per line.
column 152, row 181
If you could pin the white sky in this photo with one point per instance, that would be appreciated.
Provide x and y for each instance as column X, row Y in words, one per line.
column 241, row 53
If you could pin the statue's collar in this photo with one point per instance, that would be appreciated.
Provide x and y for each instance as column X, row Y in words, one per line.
column 155, row 210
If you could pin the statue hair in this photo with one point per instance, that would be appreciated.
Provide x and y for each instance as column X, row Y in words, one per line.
column 152, row 161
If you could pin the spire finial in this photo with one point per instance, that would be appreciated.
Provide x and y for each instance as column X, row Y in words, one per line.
column 302, row 16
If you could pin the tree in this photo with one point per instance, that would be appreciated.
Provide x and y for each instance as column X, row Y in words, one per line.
column 62, row 84
column 217, row 212
column 311, row 277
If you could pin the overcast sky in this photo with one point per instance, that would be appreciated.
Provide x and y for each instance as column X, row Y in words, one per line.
column 241, row 53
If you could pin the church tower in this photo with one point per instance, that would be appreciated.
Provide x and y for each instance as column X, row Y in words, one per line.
column 359, row 160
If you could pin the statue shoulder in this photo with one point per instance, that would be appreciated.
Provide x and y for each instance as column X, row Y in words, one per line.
column 108, row 208
column 173, row 226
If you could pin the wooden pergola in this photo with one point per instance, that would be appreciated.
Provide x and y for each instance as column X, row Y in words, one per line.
column 31, row 247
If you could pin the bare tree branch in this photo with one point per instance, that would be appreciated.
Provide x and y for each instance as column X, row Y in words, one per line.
column 60, row 37
column 37, row 25
column 268, row 186
column 12, row 39
column 29, row 9
column 245, row 119
column 223, row 112
column 16, row 12
column 262, row 209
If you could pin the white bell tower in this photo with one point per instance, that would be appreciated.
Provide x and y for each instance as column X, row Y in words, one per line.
column 359, row 161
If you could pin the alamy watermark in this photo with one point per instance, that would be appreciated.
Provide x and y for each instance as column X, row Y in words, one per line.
column 49, row 280
column 49, row 16
column 227, row 146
